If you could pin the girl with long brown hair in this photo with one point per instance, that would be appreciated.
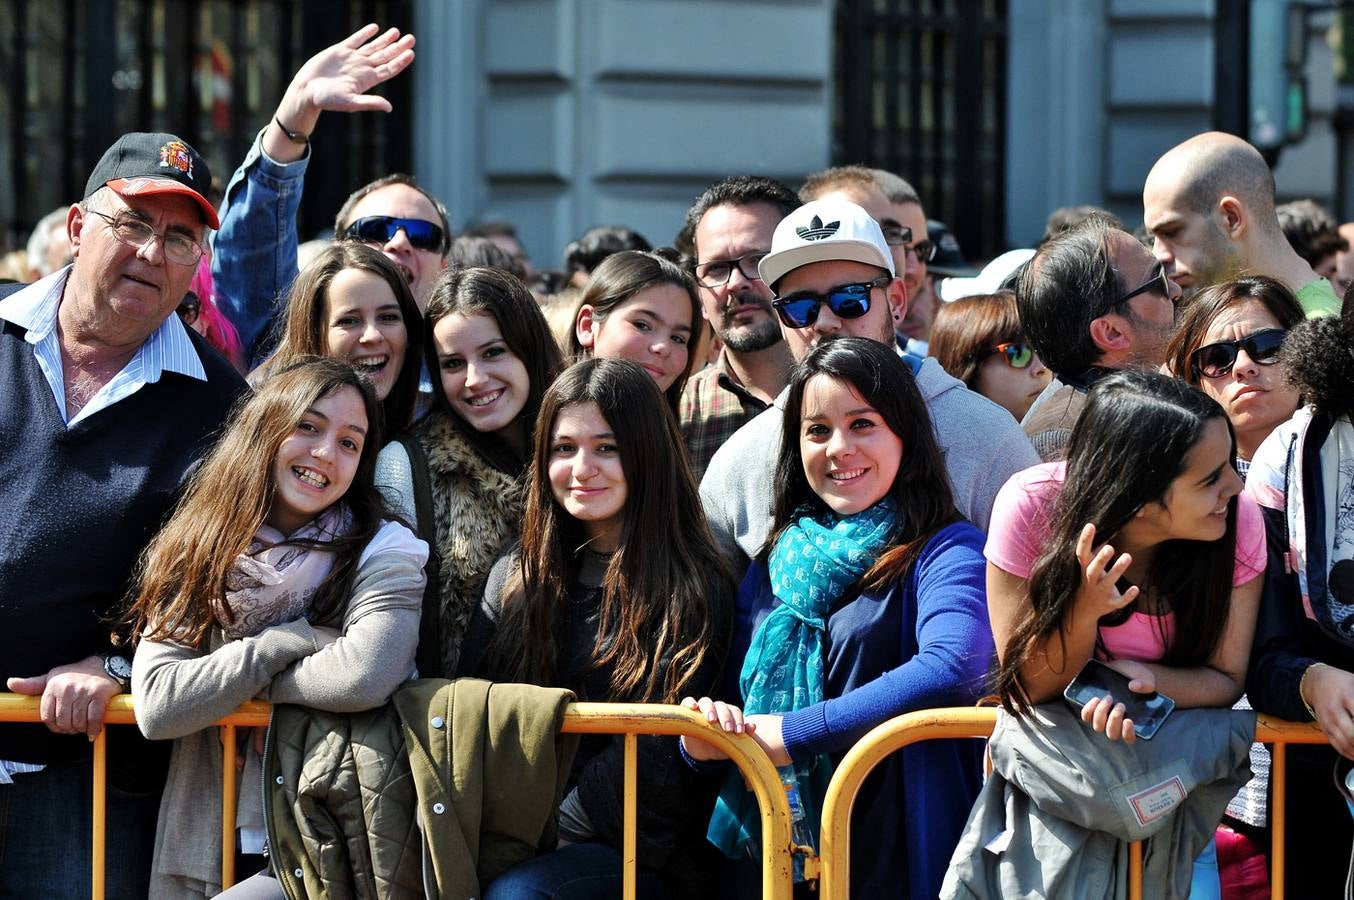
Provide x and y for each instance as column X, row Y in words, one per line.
column 618, row 593
column 978, row 340
column 1139, row 550
column 458, row 472
column 279, row 577
column 642, row 307
column 352, row 303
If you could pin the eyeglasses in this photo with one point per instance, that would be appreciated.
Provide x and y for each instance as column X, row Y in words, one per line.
column 422, row 234
column 1158, row 282
column 847, row 301
column 717, row 272
column 901, row 236
column 1216, row 360
column 189, row 308
column 180, row 249
column 1018, row 354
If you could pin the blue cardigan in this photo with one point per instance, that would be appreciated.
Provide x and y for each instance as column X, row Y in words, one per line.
column 922, row 643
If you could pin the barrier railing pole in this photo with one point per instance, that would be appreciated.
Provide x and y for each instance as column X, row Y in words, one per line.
column 630, row 884
column 229, row 795
column 99, row 852
column 1278, row 771
column 1135, row 870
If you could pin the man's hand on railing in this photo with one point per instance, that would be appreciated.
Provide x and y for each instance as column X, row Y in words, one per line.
column 74, row 696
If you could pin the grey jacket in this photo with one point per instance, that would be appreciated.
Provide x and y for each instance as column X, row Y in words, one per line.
column 179, row 691
column 982, row 445
column 1055, row 818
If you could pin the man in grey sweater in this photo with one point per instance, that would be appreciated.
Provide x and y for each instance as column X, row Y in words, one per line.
column 832, row 274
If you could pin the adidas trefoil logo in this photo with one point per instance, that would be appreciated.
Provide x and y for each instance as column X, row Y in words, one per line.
column 816, row 230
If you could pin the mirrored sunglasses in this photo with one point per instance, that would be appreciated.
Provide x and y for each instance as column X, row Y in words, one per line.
column 1018, row 354
column 422, row 234
column 847, row 301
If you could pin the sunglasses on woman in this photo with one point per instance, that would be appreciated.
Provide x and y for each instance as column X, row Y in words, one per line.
column 1018, row 354
column 847, row 301
column 422, row 234
column 1216, row 360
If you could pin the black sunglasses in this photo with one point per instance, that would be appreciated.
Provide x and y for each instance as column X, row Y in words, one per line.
column 1216, row 360
column 901, row 236
column 847, row 301
column 1157, row 282
column 422, row 234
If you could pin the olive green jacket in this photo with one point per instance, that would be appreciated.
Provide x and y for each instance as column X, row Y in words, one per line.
column 480, row 766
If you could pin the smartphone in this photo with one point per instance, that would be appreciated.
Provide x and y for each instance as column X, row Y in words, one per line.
column 1096, row 679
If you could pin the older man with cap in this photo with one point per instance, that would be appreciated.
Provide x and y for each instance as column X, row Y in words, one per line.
column 832, row 273
column 110, row 400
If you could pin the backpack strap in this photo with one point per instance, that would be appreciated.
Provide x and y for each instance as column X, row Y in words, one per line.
column 429, row 655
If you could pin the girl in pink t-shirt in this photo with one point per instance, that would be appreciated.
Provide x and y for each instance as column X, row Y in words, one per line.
column 1139, row 550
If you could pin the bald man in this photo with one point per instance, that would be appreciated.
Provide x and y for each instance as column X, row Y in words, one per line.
column 1209, row 205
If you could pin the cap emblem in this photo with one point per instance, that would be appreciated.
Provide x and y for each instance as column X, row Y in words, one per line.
column 175, row 155
column 816, row 230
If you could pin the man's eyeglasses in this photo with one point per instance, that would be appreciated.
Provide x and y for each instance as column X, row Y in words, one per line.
column 717, row 272
column 189, row 308
column 180, row 249
column 901, row 236
column 1018, row 354
column 1158, row 282
column 422, row 234
column 1216, row 360
column 847, row 301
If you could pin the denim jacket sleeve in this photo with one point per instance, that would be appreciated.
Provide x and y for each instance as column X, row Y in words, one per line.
column 254, row 252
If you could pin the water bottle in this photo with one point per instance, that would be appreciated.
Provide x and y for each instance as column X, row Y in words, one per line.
column 800, row 835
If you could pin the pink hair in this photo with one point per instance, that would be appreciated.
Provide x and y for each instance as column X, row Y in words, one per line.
column 212, row 324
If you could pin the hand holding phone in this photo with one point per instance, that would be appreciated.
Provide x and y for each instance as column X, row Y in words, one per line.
column 1107, row 702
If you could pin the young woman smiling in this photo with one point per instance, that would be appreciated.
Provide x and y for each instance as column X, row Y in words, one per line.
column 1228, row 344
column 1139, row 550
column 279, row 577
column 867, row 602
column 644, row 308
column 493, row 357
column 352, row 303
column 618, row 593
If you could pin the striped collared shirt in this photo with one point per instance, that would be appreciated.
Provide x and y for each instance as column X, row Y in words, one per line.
column 168, row 349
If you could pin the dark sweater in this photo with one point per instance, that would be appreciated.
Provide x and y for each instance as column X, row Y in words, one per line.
column 83, row 502
column 675, row 802
column 923, row 642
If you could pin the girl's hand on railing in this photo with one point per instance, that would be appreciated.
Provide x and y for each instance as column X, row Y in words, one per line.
column 729, row 718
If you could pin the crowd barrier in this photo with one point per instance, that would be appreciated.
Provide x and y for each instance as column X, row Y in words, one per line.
column 936, row 724
column 628, row 719
column 832, row 865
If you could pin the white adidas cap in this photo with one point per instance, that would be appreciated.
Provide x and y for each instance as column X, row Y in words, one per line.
column 824, row 230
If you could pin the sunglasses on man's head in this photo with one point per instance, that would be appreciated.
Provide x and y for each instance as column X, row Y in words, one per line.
column 1018, row 354
column 1216, row 360
column 847, row 301
column 422, row 234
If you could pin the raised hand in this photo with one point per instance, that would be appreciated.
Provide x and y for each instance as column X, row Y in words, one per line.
column 338, row 77
column 1099, row 594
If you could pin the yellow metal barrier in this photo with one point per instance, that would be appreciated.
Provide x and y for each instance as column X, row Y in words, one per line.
column 938, row 724
column 628, row 719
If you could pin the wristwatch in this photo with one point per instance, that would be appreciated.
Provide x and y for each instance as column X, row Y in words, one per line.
column 119, row 669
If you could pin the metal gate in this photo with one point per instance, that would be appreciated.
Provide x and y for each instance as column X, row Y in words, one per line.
column 75, row 74
column 921, row 91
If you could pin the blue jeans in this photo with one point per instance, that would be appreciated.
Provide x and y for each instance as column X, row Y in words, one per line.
column 46, row 836
column 573, row 872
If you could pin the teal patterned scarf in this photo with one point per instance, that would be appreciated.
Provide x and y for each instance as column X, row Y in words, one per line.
column 813, row 563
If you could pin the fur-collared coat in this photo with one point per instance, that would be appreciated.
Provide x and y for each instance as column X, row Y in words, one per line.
column 477, row 512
